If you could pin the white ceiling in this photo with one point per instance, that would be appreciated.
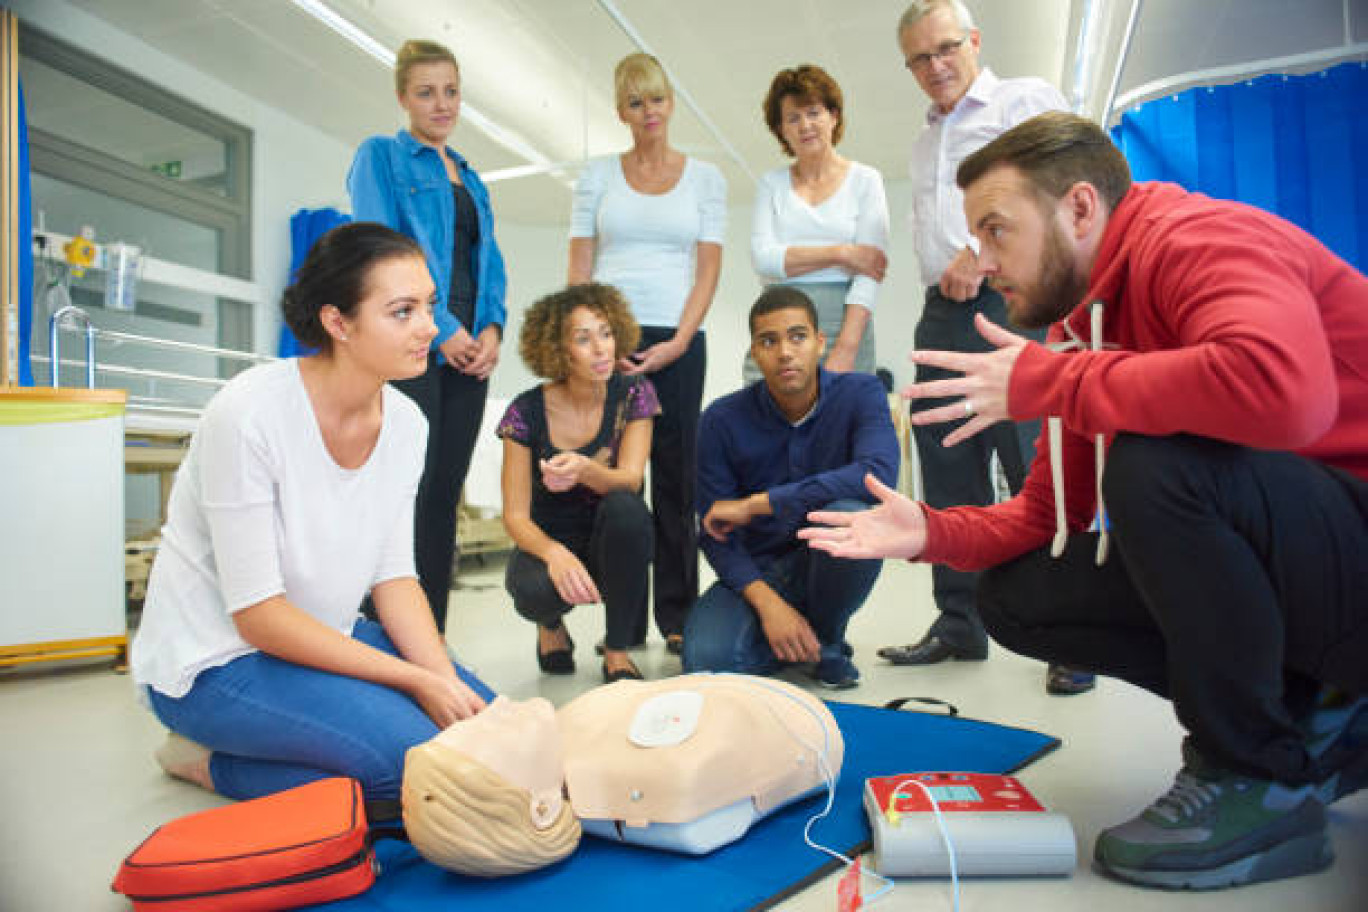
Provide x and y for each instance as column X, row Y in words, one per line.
column 543, row 68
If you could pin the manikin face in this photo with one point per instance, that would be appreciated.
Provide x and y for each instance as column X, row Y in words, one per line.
column 942, row 55
column 432, row 98
column 807, row 126
column 1027, row 249
column 590, row 346
column 647, row 114
column 392, row 328
column 786, row 347
column 518, row 741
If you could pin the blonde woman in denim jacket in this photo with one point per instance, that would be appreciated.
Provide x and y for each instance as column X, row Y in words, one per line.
column 416, row 184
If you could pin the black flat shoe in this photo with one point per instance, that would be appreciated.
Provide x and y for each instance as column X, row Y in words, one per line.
column 630, row 673
column 674, row 644
column 930, row 650
column 557, row 661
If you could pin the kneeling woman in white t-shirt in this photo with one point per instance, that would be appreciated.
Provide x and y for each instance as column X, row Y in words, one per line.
column 295, row 501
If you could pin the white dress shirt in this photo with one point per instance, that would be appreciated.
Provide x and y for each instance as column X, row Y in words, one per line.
column 990, row 108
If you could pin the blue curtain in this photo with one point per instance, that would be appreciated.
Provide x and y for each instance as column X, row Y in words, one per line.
column 1293, row 145
column 306, row 226
column 25, row 250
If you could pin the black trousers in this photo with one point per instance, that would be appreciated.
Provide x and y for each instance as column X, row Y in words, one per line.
column 1239, row 585
column 961, row 475
column 453, row 404
column 616, row 553
column 674, row 471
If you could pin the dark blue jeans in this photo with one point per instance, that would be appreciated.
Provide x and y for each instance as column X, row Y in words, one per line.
column 273, row 725
column 724, row 634
column 960, row 475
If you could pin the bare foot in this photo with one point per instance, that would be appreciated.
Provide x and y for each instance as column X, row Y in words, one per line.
column 184, row 759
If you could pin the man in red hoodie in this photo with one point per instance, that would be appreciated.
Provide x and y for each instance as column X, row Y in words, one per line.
column 1213, row 359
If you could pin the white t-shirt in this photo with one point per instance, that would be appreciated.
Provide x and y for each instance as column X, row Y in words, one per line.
column 260, row 508
column 857, row 213
column 990, row 108
column 645, row 244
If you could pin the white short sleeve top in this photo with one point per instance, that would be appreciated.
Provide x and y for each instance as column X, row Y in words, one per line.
column 260, row 508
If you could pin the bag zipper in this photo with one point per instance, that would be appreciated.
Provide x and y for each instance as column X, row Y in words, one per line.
column 318, row 873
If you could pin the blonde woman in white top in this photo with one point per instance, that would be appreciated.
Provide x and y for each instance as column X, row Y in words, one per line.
column 821, row 223
column 651, row 223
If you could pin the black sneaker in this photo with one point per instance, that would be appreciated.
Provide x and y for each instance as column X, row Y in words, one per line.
column 1216, row 829
column 836, row 673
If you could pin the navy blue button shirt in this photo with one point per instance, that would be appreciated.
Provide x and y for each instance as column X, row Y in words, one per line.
column 746, row 445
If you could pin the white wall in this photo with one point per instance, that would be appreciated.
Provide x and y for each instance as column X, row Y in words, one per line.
column 293, row 165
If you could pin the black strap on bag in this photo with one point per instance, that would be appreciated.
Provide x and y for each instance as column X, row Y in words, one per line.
column 900, row 702
column 386, row 819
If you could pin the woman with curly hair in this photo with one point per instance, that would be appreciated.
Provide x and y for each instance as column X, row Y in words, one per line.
column 575, row 450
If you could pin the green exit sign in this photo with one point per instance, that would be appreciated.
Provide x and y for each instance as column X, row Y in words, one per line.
column 171, row 169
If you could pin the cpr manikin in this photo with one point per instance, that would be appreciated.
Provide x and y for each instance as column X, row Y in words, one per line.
column 689, row 763
column 485, row 796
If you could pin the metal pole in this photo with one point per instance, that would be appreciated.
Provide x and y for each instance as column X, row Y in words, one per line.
column 1121, row 61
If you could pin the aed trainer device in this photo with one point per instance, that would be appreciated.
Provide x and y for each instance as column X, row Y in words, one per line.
column 997, row 828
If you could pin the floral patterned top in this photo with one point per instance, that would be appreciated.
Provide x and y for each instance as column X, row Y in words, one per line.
column 571, row 514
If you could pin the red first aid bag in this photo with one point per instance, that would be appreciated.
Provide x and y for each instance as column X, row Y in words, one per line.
column 297, row 847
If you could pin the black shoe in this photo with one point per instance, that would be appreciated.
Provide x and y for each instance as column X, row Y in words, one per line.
column 930, row 650
column 674, row 643
column 558, row 661
column 630, row 673
column 1063, row 681
column 598, row 647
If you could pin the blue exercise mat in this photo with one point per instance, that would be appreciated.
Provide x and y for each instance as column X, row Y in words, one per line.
column 767, row 864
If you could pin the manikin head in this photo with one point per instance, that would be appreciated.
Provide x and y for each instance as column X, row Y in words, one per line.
column 485, row 797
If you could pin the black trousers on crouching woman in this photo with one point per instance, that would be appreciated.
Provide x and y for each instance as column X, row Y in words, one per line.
column 616, row 552
column 1238, row 584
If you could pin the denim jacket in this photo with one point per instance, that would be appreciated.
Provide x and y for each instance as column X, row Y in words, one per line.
column 402, row 183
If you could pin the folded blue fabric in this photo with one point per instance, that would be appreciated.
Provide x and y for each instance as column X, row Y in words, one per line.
column 767, row 864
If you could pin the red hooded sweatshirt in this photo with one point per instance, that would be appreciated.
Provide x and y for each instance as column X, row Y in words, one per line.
column 1217, row 320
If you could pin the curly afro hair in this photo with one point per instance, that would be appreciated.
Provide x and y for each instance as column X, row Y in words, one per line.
column 542, row 340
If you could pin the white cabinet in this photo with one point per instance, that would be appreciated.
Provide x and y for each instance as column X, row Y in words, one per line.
column 61, row 524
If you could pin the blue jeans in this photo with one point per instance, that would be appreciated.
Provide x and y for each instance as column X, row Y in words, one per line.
column 724, row 634
column 273, row 725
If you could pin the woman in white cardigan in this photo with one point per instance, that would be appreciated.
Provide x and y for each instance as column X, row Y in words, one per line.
column 822, row 222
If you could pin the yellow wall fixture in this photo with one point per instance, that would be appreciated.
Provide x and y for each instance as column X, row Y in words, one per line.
column 9, row 198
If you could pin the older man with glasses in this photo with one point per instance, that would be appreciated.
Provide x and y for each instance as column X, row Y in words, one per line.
column 970, row 106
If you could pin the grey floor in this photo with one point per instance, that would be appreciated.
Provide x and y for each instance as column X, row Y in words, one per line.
column 79, row 788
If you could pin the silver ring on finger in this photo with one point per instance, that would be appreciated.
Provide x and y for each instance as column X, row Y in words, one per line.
column 969, row 408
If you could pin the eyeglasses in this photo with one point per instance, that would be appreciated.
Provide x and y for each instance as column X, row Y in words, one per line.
column 944, row 50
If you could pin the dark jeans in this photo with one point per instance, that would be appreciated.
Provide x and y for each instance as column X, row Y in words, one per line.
column 724, row 633
column 453, row 404
column 616, row 552
column 674, row 468
column 960, row 475
column 1238, row 589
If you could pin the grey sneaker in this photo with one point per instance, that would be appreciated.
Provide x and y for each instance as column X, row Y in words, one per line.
column 1216, row 829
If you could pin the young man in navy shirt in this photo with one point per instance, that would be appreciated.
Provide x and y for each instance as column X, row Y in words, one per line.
column 801, row 439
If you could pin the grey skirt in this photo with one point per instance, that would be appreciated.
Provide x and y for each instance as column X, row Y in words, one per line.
column 830, row 300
